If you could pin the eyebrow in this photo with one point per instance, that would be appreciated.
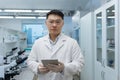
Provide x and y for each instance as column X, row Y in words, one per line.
column 54, row 19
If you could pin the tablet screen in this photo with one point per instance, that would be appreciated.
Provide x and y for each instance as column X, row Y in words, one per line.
column 50, row 61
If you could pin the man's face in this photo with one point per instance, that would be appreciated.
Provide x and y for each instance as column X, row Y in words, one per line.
column 54, row 24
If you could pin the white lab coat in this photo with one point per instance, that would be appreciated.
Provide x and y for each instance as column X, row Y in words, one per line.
column 67, row 51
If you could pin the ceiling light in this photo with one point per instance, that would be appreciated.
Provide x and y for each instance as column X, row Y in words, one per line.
column 21, row 17
column 17, row 10
column 111, row 17
column 41, row 17
column 99, row 17
column 42, row 11
column 6, row 17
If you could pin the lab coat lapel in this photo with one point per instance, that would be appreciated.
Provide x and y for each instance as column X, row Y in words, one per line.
column 59, row 45
column 47, row 43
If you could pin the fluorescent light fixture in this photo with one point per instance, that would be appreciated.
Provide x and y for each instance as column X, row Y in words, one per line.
column 41, row 17
column 21, row 17
column 17, row 10
column 0, row 10
column 111, row 17
column 6, row 17
column 42, row 11
column 99, row 17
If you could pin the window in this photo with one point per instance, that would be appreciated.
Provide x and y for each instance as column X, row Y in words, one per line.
column 33, row 31
column 76, row 35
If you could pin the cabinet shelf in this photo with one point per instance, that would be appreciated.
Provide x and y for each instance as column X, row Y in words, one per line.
column 111, row 49
column 112, row 26
column 10, row 42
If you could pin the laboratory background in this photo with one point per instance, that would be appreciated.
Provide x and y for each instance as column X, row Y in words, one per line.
column 95, row 24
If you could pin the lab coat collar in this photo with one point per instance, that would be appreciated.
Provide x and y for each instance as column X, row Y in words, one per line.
column 61, row 38
column 59, row 44
column 53, row 43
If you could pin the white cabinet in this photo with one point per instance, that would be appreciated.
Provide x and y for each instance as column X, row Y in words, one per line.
column 106, row 41
column 10, row 39
column 119, row 38
column 22, row 40
column 86, row 43
column 10, row 36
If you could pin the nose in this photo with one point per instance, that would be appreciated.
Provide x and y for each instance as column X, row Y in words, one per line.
column 54, row 24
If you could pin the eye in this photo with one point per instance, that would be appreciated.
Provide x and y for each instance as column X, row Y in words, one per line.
column 51, row 22
column 58, row 22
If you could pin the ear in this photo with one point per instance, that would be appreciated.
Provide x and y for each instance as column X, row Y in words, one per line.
column 46, row 22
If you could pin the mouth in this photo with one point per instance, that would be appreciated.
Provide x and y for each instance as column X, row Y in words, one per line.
column 53, row 29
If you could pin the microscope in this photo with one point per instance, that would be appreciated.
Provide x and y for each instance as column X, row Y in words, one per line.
column 11, row 65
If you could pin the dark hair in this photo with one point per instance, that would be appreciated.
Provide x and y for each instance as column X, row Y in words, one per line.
column 55, row 12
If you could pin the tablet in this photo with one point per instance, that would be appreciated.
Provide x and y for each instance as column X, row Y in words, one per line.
column 49, row 61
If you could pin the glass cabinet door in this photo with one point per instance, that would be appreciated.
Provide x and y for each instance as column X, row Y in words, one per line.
column 98, row 45
column 107, row 47
column 99, row 37
column 110, row 36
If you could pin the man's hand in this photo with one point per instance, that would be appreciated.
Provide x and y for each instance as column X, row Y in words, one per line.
column 56, row 68
column 43, row 69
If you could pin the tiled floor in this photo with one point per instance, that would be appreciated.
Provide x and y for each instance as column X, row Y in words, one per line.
column 26, row 74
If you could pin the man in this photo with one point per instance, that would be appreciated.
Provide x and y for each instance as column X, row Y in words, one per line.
column 55, row 45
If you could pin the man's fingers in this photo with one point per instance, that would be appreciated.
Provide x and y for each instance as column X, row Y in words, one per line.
column 43, row 69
